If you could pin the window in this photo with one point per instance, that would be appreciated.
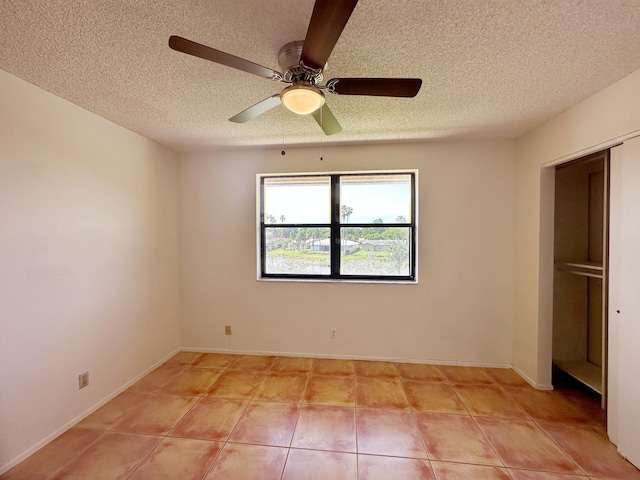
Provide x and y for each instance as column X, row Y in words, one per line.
column 338, row 226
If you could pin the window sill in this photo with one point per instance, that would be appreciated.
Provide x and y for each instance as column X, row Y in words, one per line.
column 338, row 280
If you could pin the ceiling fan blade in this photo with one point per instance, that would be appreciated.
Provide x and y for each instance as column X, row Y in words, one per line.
column 257, row 109
column 326, row 120
column 383, row 87
column 202, row 51
column 328, row 19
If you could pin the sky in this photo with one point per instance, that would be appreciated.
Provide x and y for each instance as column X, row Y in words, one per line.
column 310, row 203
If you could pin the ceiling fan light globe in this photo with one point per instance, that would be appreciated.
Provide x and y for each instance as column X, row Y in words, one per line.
column 302, row 99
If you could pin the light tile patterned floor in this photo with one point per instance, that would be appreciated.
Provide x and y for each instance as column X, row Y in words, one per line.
column 204, row 416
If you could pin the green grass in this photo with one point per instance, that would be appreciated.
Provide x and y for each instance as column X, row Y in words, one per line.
column 360, row 255
column 299, row 254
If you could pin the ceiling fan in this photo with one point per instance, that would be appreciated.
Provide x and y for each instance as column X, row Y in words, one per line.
column 302, row 63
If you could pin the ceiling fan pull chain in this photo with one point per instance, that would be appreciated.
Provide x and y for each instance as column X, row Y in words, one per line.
column 321, row 158
column 282, row 126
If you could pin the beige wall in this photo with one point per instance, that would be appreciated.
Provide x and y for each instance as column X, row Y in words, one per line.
column 461, row 310
column 596, row 123
column 88, row 262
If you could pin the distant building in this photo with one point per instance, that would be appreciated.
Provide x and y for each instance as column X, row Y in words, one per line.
column 377, row 245
column 324, row 245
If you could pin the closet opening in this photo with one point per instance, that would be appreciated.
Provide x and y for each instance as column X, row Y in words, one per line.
column 579, row 350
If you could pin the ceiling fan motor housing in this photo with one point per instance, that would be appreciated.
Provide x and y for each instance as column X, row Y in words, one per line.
column 294, row 70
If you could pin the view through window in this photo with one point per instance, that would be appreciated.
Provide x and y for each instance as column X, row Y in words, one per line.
column 338, row 225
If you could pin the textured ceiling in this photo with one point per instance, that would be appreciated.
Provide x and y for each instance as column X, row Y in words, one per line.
column 491, row 69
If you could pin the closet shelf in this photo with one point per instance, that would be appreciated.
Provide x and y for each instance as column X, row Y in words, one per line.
column 586, row 269
column 585, row 372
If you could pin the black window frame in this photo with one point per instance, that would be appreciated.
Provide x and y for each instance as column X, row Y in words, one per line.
column 334, row 227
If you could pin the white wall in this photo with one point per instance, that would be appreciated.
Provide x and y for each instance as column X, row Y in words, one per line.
column 88, row 262
column 596, row 123
column 461, row 310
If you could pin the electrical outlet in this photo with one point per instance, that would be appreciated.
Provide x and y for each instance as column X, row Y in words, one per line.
column 332, row 334
column 227, row 329
column 83, row 380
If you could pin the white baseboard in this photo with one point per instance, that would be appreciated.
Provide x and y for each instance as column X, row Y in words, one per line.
column 49, row 438
column 530, row 381
column 461, row 363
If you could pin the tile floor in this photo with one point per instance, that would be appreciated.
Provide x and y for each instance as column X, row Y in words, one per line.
column 203, row 416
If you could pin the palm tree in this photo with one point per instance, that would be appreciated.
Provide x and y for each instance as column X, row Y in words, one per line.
column 401, row 219
column 346, row 212
column 315, row 236
column 301, row 238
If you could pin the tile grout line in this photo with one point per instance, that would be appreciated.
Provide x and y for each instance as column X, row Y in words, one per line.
column 284, row 465
column 414, row 414
column 75, row 457
column 166, row 435
column 424, row 443
column 224, row 443
column 204, row 394
column 489, row 442
column 219, row 452
column 473, row 418
column 452, row 384
column 535, row 422
column 355, row 421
